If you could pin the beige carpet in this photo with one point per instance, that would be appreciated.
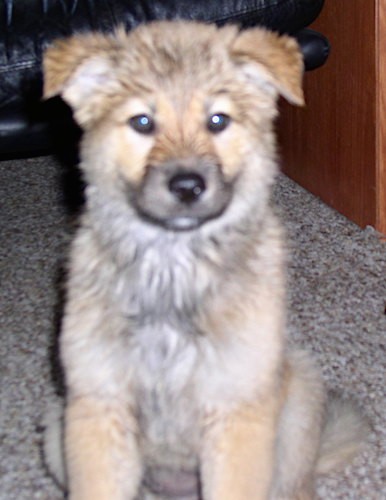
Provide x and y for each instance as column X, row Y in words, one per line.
column 337, row 299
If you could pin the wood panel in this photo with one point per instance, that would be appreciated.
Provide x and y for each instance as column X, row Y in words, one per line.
column 330, row 146
column 381, row 118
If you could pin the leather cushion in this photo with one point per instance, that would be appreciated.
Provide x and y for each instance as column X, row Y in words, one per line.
column 29, row 25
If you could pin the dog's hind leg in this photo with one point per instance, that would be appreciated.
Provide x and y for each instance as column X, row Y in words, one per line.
column 299, row 431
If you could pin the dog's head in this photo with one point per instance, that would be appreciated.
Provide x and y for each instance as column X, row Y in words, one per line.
column 177, row 115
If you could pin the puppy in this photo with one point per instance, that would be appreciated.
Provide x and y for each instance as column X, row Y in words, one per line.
column 180, row 383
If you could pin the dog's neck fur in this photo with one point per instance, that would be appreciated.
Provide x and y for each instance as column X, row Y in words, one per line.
column 151, row 262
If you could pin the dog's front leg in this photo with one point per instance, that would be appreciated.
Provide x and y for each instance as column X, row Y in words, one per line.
column 102, row 456
column 238, row 453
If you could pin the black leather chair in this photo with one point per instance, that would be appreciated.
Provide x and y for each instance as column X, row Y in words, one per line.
column 27, row 26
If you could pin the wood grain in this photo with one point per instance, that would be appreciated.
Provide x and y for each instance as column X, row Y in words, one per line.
column 332, row 146
column 381, row 117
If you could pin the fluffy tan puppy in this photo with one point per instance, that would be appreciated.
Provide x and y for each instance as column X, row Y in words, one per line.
column 180, row 383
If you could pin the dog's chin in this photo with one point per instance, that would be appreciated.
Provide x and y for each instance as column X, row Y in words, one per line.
column 183, row 223
column 179, row 223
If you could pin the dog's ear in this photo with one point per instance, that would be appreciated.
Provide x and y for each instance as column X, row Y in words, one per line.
column 270, row 59
column 81, row 70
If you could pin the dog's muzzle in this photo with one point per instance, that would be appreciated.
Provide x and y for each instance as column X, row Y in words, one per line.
column 182, row 194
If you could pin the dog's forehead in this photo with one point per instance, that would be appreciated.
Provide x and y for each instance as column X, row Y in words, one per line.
column 164, row 52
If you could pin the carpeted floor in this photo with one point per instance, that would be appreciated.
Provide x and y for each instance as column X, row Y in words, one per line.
column 337, row 310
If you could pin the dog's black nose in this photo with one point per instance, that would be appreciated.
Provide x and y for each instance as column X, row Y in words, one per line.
column 187, row 186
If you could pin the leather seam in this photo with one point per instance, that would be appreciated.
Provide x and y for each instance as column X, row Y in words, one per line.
column 18, row 66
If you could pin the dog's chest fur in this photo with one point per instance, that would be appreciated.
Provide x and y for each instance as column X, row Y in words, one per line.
column 159, row 297
column 162, row 296
column 156, row 311
column 165, row 386
column 165, row 284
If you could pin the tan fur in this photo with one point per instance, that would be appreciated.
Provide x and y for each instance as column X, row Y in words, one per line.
column 179, row 379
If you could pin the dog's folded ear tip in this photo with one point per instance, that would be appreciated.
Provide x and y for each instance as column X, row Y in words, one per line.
column 51, row 89
column 273, row 59
column 297, row 98
column 48, row 92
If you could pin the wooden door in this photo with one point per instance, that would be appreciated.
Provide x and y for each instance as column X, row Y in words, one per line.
column 336, row 146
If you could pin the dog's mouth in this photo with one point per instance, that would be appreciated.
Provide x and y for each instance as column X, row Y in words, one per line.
column 184, row 223
column 180, row 198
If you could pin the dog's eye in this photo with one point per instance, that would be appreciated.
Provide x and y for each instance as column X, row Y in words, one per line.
column 218, row 122
column 144, row 124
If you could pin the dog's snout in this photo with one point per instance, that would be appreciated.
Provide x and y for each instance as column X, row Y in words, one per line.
column 187, row 186
column 182, row 194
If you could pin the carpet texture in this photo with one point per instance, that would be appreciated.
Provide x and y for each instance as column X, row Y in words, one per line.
column 337, row 299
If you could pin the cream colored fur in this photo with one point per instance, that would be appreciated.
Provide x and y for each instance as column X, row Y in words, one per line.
column 180, row 383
